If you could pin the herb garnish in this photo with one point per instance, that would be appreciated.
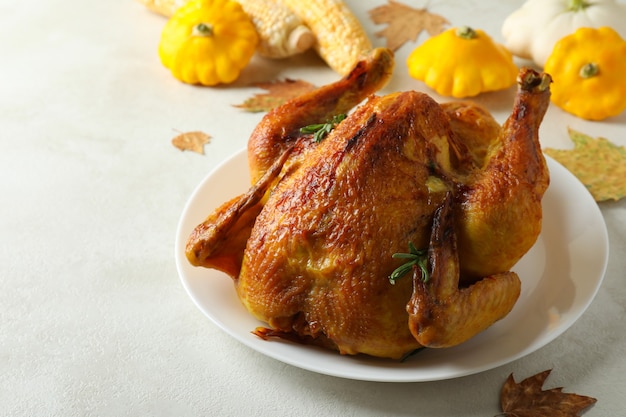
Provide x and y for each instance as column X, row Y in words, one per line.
column 414, row 257
column 320, row 130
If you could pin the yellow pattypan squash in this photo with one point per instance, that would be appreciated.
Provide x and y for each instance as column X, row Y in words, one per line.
column 589, row 72
column 208, row 42
column 462, row 62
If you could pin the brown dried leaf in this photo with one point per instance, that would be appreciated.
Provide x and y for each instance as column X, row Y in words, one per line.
column 405, row 23
column 527, row 399
column 279, row 92
column 191, row 141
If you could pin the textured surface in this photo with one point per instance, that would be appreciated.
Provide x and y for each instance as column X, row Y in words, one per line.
column 93, row 319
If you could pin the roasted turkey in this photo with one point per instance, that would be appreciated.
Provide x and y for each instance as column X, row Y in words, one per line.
column 310, row 247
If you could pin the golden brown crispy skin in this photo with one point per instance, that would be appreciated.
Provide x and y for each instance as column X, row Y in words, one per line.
column 322, row 246
column 499, row 207
column 443, row 314
column 273, row 146
column 220, row 240
column 279, row 129
column 310, row 245
column 474, row 126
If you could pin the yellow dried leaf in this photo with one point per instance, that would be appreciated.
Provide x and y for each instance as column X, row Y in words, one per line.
column 278, row 92
column 191, row 141
column 405, row 23
column 597, row 163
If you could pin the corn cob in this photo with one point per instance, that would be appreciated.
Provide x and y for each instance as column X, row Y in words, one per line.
column 163, row 7
column 340, row 39
column 281, row 32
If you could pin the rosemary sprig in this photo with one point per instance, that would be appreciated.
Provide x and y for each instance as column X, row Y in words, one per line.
column 413, row 257
column 320, row 130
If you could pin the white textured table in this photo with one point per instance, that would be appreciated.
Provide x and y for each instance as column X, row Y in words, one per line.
column 93, row 318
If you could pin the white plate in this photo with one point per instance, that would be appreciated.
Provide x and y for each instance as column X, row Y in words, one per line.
column 560, row 274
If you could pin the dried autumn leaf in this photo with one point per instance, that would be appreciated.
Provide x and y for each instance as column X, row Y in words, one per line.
column 278, row 92
column 191, row 141
column 597, row 163
column 405, row 23
column 528, row 399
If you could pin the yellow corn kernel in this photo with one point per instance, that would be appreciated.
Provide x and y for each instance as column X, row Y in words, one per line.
column 281, row 32
column 340, row 39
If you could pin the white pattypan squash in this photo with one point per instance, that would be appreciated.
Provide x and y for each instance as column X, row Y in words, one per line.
column 532, row 31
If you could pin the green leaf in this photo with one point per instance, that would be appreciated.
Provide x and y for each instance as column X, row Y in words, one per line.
column 321, row 130
column 414, row 257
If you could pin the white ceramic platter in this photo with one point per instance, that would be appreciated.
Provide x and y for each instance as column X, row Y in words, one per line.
column 560, row 277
